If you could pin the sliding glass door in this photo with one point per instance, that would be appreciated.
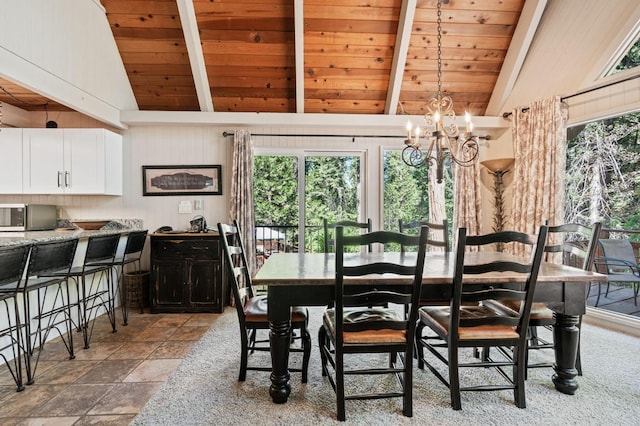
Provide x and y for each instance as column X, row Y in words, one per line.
column 295, row 203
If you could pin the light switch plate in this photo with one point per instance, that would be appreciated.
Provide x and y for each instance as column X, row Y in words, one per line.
column 185, row 207
column 197, row 204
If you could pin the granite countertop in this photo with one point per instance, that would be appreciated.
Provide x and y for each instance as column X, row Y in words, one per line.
column 115, row 226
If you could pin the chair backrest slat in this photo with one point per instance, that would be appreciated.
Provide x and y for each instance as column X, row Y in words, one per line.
column 470, row 293
column 577, row 243
column 329, row 243
column 236, row 261
column 368, row 296
column 438, row 232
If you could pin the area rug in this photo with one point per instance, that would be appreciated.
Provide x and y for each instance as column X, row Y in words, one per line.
column 204, row 390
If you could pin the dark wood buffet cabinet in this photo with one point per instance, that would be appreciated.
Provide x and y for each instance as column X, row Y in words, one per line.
column 187, row 273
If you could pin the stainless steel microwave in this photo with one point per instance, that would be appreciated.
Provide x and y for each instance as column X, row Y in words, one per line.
column 27, row 217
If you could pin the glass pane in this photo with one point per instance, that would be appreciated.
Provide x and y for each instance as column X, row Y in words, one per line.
column 332, row 191
column 275, row 197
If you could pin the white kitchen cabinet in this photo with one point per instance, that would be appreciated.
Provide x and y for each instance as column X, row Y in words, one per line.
column 10, row 161
column 72, row 161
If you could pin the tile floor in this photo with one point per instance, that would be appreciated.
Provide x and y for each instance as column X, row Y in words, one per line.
column 108, row 383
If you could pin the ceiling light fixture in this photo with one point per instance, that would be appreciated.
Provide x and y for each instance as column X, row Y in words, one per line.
column 442, row 136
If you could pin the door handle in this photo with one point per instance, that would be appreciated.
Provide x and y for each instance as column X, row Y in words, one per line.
column 66, row 179
column 59, row 179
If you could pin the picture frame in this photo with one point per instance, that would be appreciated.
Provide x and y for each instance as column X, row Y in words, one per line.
column 182, row 180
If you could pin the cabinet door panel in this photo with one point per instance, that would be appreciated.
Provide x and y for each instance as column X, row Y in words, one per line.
column 169, row 282
column 84, row 161
column 43, row 161
column 11, row 161
column 202, row 282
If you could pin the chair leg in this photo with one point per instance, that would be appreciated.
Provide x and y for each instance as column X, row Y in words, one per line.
column 407, row 402
column 306, row 340
column 340, row 402
column 599, row 291
column 322, row 342
column 519, row 371
column 244, row 353
column 454, row 378
column 419, row 346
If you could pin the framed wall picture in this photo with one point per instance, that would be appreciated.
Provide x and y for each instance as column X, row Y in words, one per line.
column 182, row 180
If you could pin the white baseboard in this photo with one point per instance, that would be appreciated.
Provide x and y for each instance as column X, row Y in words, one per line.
column 612, row 320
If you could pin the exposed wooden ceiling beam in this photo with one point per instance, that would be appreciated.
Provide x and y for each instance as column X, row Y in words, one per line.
column 196, row 57
column 518, row 48
column 403, row 37
column 298, row 8
column 392, row 123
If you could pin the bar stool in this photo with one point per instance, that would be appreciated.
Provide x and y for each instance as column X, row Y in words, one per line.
column 46, row 290
column 95, row 294
column 12, row 264
column 132, row 255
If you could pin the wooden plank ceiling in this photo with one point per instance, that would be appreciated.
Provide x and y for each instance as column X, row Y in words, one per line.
column 250, row 54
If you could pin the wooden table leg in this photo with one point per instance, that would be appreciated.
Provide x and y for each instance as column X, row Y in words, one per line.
column 566, row 336
column 279, row 339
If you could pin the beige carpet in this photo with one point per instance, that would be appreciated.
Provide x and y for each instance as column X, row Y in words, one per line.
column 204, row 390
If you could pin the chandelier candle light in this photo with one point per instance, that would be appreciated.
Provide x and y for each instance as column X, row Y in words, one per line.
column 444, row 139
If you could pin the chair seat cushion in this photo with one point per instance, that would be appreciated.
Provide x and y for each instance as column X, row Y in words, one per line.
column 437, row 318
column 539, row 310
column 364, row 315
column 255, row 310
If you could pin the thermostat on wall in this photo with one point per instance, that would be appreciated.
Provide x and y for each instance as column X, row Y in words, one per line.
column 185, row 207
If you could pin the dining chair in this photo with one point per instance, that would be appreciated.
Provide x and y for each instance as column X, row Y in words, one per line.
column 13, row 261
column 438, row 233
column 252, row 308
column 47, row 302
column 620, row 263
column 570, row 244
column 370, row 320
column 478, row 325
column 329, row 228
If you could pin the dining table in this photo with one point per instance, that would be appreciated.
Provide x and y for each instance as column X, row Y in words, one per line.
column 307, row 279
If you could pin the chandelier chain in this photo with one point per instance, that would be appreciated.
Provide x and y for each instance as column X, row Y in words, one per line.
column 439, row 48
column 443, row 138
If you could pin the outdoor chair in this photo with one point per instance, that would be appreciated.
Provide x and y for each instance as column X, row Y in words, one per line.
column 438, row 233
column 468, row 323
column 620, row 263
column 354, row 326
column 329, row 230
column 13, row 260
column 252, row 308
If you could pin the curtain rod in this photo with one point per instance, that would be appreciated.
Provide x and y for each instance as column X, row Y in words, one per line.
column 353, row 137
column 583, row 92
column 226, row 134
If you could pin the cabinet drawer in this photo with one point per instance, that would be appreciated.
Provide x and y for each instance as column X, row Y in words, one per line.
column 197, row 249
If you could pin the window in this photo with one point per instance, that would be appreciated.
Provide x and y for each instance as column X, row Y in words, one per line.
column 406, row 192
column 332, row 185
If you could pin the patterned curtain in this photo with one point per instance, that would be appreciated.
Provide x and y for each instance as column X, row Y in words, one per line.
column 437, row 212
column 242, row 193
column 467, row 212
column 539, row 142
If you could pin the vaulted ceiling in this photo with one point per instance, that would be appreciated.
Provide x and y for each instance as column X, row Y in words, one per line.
column 312, row 56
column 320, row 57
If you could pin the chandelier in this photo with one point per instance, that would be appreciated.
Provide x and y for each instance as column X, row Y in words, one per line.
column 442, row 136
